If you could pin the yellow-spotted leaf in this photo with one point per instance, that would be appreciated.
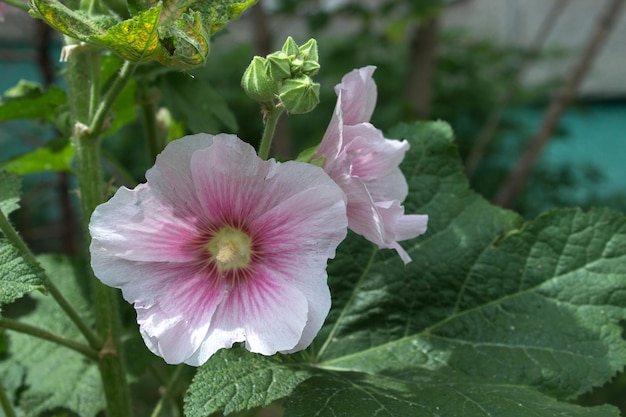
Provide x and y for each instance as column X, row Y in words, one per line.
column 135, row 39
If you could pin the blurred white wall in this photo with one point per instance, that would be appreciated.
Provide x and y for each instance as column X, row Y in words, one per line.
column 516, row 22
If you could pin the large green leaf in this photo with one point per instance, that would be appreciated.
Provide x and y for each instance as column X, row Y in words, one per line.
column 492, row 317
column 56, row 376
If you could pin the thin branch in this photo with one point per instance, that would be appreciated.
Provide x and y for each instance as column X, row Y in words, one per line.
column 15, row 239
column 488, row 130
column 5, row 403
column 169, row 390
column 515, row 182
column 50, row 337
column 122, row 78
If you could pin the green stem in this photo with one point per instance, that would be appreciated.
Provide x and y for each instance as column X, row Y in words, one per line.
column 17, row 3
column 268, row 132
column 15, row 239
column 122, row 78
column 5, row 403
column 169, row 390
column 89, row 172
column 94, row 93
column 51, row 337
column 148, row 115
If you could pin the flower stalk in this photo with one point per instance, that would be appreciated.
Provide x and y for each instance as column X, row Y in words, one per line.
column 268, row 132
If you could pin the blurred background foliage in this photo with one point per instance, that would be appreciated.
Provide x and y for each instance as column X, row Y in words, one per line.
column 423, row 72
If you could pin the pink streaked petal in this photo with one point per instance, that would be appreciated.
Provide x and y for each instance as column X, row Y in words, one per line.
column 171, row 176
column 370, row 154
column 308, row 218
column 357, row 95
column 144, row 229
column 266, row 312
column 175, row 304
column 230, row 180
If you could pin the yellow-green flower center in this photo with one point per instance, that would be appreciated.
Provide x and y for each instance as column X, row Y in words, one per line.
column 230, row 249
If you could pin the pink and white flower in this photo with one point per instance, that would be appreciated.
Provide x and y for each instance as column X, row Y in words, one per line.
column 219, row 247
column 366, row 166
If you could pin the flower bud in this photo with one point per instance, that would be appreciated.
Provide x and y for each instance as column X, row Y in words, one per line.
column 299, row 95
column 308, row 51
column 290, row 47
column 278, row 66
column 256, row 82
column 310, row 68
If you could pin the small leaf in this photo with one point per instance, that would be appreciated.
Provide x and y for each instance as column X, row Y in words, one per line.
column 9, row 192
column 69, row 22
column 235, row 379
column 27, row 100
column 48, row 158
column 136, row 39
column 58, row 377
column 17, row 276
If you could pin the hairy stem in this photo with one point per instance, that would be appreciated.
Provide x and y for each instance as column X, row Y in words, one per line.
column 51, row 337
column 87, row 144
column 268, row 132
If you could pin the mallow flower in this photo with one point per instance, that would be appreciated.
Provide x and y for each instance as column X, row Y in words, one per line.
column 219, row 246
column 366, row 166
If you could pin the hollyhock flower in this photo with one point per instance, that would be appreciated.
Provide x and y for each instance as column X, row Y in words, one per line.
column 365, row 165
column 219, row 247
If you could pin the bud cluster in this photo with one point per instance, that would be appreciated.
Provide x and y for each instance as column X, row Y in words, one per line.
column 285, row 76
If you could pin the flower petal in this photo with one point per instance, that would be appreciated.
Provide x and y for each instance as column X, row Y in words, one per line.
column 144, row 228
column 357, row 95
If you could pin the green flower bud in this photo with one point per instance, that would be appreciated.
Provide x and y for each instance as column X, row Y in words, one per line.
column 299, row 95
column 308, row 51
column 256, row 82
column 310, row 68
column 290, row 47
column 278, row 66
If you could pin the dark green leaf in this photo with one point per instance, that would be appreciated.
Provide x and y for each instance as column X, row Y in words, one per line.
column 27, row 100
column 357, row 394
column 57, row 376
